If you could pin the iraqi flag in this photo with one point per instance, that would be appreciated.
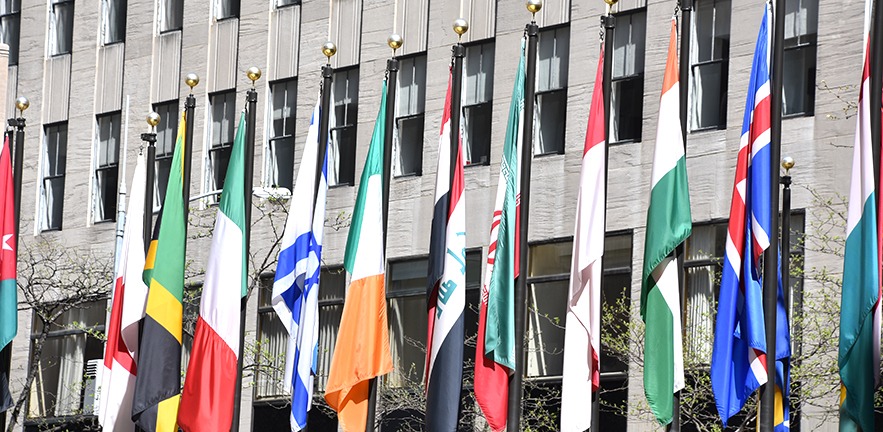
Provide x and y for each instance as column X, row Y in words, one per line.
column 127, row 309
column 738, row 363
column 582, row 335
column 447, row 286
column 210, row 385
column 362, row 350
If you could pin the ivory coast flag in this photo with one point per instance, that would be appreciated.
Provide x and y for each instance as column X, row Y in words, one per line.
column 207, row 398
column 362, row 349
column 668, row 225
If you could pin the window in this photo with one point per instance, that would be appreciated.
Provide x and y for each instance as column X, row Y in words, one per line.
column 551, row 99
column 65, row 382
column 342, row 152
column 627, row 83
column 283, row 3
column 10, row 25
column 113, row 17
column 171, row 15
column 478, row 95
column 61, row 27
column 710, row 65
column 281, row 160
column 548, row 279
column 227, row 9
column 223, row 109
column 408, row 146
column 106, row 168
column 406, row 310
column 166, row 137
column 801, row 26
column 54, row 162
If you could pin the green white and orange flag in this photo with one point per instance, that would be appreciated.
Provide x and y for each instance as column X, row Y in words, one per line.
column 668, row 225
column 362, row 349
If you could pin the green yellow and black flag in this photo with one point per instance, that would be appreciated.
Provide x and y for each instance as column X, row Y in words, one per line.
column 158, row 382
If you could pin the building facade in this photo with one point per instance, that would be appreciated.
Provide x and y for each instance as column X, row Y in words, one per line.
column 93, row 69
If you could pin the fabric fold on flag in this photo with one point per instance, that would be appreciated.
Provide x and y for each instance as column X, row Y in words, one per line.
column 669, row 223
column 738, row 363
column 495, row 343
column 859, row 351
column 582, row 335
column 127, row 309
column 362, row 350
column 8, row 260
column 158, row 383
column 210, row 385
column 447, row 286
column 296, row 286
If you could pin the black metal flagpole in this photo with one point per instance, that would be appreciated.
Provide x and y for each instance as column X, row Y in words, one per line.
column 150, row 139
column 787, row 163
column 392, row 69
column 771, row 256
column 329, row 49
column 516, row 379
column 192, row 80
column 458, row 53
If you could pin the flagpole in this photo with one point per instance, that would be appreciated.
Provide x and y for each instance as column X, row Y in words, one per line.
column 771, row 256
column 21, row 103
column 787, row 163
column 395, row 42
column 876, row 86
column 150, row 138
column 458, row 52
column 192, row 80
column 328, row 49
column 684, row 86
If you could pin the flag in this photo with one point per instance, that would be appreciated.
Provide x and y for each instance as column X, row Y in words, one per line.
column 127, row 309
column 296, row 288
column 782, row 410
column 362, row 349
column 859, row 354
column 738, row 363
column 495, row 345
column 582, row 335
column 668, row 225
column 8, row 257
column 158, row 383
column 210, row 385
column 446, row 286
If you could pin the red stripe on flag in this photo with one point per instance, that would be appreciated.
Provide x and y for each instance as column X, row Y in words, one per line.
column 210, row 385
column 116, row 348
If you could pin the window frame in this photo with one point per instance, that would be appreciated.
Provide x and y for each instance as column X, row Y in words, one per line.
column 282, row 4
column 478, row 106
column 52, row 34
column 637, row 76
column 342, row 125
column 559, row 90
column 12, row 16
column 120, row 10
column 290, row 87
column 45, row 219
column 214, row 181
column 178, row 15
column 399, row 118
column 234, row 9
column 99, row 169
column 162, row 157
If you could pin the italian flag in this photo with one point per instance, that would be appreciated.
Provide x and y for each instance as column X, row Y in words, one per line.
column 210, row 384
column 362, row 350
column 668, row 225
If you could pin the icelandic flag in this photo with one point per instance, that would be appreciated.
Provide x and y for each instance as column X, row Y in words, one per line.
column 296, row 288
column 738, row 364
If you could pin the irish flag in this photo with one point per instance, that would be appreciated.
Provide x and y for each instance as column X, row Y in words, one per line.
column 582, row 335
column 859, row 357
column 210, row 385
column 362, row 349
column 668, row 225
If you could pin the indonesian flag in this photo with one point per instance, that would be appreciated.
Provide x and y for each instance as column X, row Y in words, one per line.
column 127, row 308
column 210, row 384
column 583, row 324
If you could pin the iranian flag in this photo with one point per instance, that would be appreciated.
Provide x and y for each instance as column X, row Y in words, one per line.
column 210, row 384
column 668, row 225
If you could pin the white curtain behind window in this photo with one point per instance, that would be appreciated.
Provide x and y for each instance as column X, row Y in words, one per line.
column 700, row 297
column 273, row 343
column 70, row 374
column 333, row 149
column 329, row 323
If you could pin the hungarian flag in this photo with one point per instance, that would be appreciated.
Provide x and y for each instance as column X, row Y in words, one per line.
column 859, row 356
column 582, row 336
column 738, row 363
column 668, row 225
column 8, row 251
column 362, row 350
column 495, row 344
column 158, row 383
column 127, row 310
column 210, row 385
column 296, row 286
column 447, row 284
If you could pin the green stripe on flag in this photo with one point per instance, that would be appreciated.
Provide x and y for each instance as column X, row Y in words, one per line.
column 233, row 199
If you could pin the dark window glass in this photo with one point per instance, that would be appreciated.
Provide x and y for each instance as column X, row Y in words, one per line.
column 281, row 170
column 54, row 164
column 551, row 99
column 342, row 157
column 227, row 9
column 166, row 137
column 107, row 167
column 478, row 94
column 408, row 145
column 710, row 64
column 114, row 21
column 627, row 87
column 10, row 26
column 223, row 109
column 799, row 82
column 171, row 15
column 61, row 27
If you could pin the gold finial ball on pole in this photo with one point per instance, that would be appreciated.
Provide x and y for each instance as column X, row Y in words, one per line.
column 22, row 103
column 461, row 26
column 192, row 80
column 153, row 119
column 534, row 6
column 611, row 2
column 253, row 73
column 787, row 163
column 329, row 49
column 395, row 41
